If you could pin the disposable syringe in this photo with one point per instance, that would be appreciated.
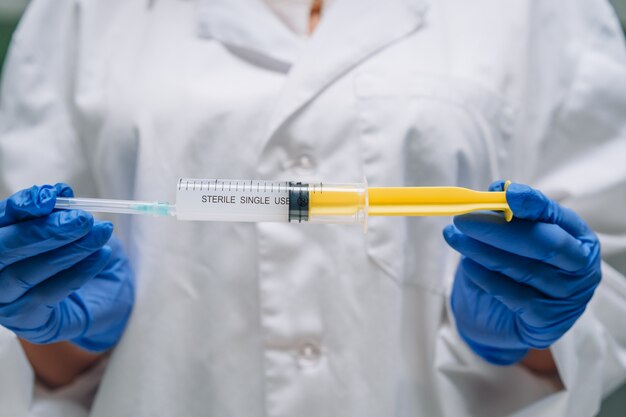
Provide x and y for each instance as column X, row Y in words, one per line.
column 286, row 201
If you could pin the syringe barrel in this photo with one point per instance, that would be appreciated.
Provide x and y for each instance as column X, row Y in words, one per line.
column 270, row 201
column 338, row 203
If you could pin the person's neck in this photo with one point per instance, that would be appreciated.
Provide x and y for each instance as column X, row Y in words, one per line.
column 315, row 14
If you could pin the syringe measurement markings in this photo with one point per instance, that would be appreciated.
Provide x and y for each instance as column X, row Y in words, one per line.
column 234, row 186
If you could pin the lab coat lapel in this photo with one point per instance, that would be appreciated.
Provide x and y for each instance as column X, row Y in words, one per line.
column 251, row 26
column 349, row 32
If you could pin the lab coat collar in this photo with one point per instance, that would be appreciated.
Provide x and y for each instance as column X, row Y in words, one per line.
column 349, row 32
column 251, row 26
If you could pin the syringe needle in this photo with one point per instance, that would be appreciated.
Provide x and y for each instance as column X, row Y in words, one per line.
column 101, row 205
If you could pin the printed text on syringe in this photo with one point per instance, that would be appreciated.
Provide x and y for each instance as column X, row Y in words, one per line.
column 223, row 199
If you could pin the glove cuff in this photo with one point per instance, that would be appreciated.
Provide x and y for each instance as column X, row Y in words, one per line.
column 101, row 335
column 497, row 356
column 101, row 342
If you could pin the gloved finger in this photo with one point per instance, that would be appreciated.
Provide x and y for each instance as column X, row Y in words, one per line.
column 63, row 190
column 541, row 241
column 55, row 289
column 18, row 278
column 531, row 204
column 541, row 276
column 27, row 204
column 515, row 296
column 497, row 185
column 33, row 237
column 475, row 311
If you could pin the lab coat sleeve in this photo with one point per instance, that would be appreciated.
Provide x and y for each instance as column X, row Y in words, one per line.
column 38, row 144
column 570, row 142
column 580, row 160
column 582, row 164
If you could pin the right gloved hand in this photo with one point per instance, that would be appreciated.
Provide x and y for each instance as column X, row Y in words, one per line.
column 59, row 278
column 522, row 284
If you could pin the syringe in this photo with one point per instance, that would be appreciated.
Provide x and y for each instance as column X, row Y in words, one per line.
column 286, row 201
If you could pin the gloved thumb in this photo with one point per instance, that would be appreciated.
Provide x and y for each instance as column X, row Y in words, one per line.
column 531, row 204
column 32, row 202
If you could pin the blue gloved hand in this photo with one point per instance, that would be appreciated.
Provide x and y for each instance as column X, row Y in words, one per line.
column 521, row 284
column 62, row 275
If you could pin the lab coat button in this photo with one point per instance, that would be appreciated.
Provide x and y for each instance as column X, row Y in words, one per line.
column 309, row 355
column 302, row 162
column 306, row 161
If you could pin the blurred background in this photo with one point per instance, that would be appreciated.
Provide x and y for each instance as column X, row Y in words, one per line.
column 11, row 10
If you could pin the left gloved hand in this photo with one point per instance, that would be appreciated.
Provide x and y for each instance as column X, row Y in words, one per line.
column 522, row 284
column 63, row 277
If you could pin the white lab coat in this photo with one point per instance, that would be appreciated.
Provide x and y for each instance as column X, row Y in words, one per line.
column 119, row 98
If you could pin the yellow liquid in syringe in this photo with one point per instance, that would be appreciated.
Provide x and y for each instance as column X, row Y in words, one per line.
column 405, row 201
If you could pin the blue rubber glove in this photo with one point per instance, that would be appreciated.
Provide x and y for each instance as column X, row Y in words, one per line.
column 62, row 275
column 522, row 284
